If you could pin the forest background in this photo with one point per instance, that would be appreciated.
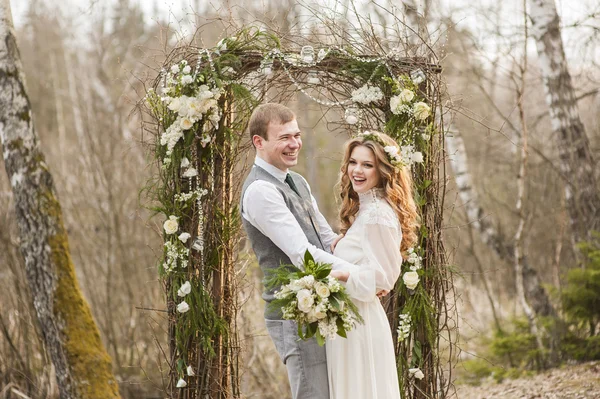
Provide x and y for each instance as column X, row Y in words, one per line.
column 86, row 62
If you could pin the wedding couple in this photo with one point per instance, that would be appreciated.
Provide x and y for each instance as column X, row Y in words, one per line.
column 378, row 224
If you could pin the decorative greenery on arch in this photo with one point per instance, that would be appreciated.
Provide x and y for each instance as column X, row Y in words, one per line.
column 198, row 110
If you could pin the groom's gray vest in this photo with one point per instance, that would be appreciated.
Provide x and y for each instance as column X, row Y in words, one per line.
column 268, row 254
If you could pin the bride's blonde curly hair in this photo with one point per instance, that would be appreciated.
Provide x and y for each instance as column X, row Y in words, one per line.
column 397, row 187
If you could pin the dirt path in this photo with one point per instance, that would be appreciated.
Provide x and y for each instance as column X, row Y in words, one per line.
column 580, row 381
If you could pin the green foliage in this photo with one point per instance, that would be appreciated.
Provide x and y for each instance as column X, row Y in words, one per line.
column 474, row 371
column 581, row 349
column 581, row 297
column 516, row 348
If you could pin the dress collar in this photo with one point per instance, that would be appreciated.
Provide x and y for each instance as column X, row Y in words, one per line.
column 272, row 170
column 370, row 197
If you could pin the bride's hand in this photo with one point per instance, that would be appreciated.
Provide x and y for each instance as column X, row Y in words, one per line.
column 340, row 275
column 334, row 243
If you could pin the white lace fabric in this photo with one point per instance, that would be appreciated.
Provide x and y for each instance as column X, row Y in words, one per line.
column 372, row 244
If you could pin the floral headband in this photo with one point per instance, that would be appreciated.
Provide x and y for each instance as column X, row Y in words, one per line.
column 391, row 151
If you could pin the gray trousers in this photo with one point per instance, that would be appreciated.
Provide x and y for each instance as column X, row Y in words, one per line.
column 306, row 361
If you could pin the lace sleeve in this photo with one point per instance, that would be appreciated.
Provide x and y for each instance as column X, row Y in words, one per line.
column 381, row 244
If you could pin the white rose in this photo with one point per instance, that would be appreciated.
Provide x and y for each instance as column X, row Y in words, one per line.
column 406, row 95
column 320, row 311
column 395, row 103
column 183, row 237
column 421, row 111
column 411, row 279
column 181, row 383
column 185, row 289
column 305, row 300
column 308, row 281
column 171, row 226
column 190, row 371
column 417, row 157
column 186, row 79
column 183, row 307
column 185, row 162
column 322, row 289
column 175, row 68
column 186, row 123
column 186, row 69
column 312, row 316
column 296, row 285
column 191, row 172
column 175, row 104
column 391, row 149
column 416, row 372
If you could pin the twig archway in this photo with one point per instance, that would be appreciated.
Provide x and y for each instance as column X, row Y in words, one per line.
column 199, row 108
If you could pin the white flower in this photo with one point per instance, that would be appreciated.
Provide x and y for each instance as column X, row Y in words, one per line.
column 403, row 327
column 175, row 68
column 425, row 137
column 421, row 111
column 186, row 123
column 176, row 103
column 296, row 285
column 186, row 69
column 391, row 149
column 190, row 172
column 183, row 307
column 185, row 162
column 171, row 226
column 395, row 104
column 416, row 372
column 321, row 311
column 190, row 371
column 351, row 119
column 181, row 383
column 417, row 157
column 322, row 289
column 183, row 237
column 411, row 279
column 367, row 94
column 308, row 281
column 185, row 289
column 305, row 300
column 187, row 79
column 406, row 95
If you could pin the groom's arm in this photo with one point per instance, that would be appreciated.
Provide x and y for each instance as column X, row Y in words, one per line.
column 264, row 207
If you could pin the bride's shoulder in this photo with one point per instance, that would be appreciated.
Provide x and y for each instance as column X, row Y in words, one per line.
column 381, row 212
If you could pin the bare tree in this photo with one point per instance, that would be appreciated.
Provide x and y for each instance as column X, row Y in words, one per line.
column 576, row 160
column 83, row 368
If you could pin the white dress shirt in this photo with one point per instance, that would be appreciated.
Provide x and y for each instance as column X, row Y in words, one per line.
column 264, row 207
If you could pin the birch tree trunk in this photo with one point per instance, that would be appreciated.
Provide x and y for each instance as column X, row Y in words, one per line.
column 477, row 217
column 83, row 368
column 576, row 161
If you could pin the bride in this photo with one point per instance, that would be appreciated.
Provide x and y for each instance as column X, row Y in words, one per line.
column 379, row 221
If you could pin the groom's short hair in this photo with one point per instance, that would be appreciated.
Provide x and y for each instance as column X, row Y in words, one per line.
column 267, row 113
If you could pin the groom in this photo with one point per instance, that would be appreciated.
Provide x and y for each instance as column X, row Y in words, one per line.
column 282, row 221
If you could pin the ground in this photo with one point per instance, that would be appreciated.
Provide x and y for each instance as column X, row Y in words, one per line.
column 580, row 381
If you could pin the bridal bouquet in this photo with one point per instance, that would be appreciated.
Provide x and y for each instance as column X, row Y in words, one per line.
column 315, row 300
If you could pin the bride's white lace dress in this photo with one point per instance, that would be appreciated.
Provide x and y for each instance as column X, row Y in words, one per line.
column 363, row 366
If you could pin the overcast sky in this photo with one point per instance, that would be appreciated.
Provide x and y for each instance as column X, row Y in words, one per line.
column 463, row 12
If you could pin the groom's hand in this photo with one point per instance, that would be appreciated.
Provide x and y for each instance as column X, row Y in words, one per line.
column 334, row 243
column 382, row 293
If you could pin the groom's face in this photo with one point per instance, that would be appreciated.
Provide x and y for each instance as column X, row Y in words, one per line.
column 284, row 143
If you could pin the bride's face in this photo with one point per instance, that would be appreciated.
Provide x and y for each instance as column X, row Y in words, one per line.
column 362, row 171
